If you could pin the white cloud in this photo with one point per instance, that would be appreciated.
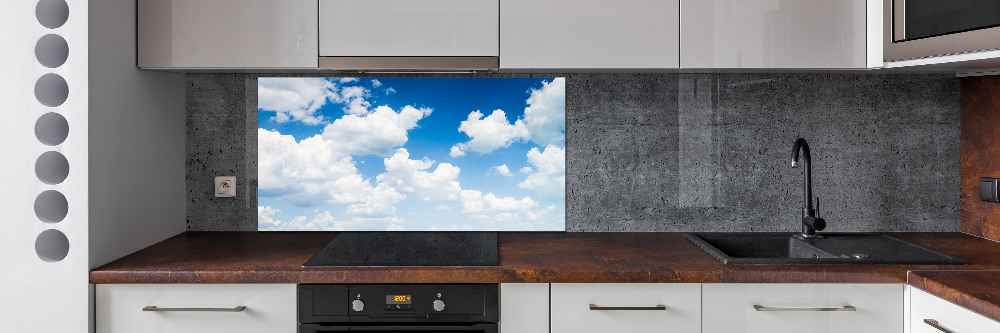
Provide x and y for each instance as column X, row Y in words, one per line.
column 527, row 170
column 354, row 97
column 299, row 99
column 545, row 116
column 475, row 202
column 411, row 176
column 316, row 171
column 544, row 122
column 295, row 99
column 489, row 133
column 390, row 90
column 499, row 170
column 376, row 83
column 517, row 214
column 265, row 218
column 442, row 207
column 376, row 133
column 266, row 221
column 378, row 202
column 549, row 176
column 452, row 228
column 304, row 172
column 456, row 152
column 322, row 221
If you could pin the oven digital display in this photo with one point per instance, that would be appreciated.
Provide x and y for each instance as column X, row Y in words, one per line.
column 397, row 299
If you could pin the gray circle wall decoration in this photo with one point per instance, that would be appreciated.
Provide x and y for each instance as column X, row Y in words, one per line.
column 52, row 13
column 51, row 51
column 51, row 90
column 51, row 129
column 52, row 167
column 51, row 206
column 52, row 245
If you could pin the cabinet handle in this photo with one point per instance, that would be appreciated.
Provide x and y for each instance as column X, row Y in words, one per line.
column 935, row 324
column 759, row 307
column 233, row 309
column 629, row 308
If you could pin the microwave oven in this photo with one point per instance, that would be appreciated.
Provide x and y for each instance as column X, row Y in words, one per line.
column 915, row 29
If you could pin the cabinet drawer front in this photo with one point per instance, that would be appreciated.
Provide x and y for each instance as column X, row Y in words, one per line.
column 948, row 316
column 627, row 307
column 802, row 308
column 268, row 308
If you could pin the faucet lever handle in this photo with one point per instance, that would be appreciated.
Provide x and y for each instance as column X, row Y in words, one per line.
column 817, row 206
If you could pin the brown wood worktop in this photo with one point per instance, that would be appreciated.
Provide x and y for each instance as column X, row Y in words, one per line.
column 978, row 291
column 277, row 257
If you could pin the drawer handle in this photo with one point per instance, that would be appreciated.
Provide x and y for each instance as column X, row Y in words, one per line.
column 937, row 325
column 233, row 309
column 759, row 307
column 627, row 308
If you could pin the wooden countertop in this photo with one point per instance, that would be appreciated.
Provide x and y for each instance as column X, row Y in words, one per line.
column 978, row 291
column 277, row 257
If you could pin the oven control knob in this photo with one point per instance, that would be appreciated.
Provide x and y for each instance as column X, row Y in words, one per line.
column 358, row 305
column 438, row 305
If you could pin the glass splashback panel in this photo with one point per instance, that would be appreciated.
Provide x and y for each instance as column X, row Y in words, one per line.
column 415, row 154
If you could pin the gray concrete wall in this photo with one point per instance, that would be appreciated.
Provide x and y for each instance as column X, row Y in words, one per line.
column 682, row 152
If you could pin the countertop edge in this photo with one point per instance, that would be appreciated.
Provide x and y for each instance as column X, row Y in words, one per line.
column 931, row 282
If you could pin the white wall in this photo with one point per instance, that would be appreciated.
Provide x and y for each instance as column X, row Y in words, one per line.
column 137, row 186
column 37, row 295
column 125, row 126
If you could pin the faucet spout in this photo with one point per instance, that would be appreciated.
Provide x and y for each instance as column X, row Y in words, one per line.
column 810, row 222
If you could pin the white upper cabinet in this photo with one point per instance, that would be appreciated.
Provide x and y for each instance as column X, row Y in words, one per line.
column 227, row 34
column 589, row 34
column 409, row 28
column 779, row 33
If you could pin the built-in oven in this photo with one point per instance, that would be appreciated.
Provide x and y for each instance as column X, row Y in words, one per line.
column 465, row 308
column 927, row 28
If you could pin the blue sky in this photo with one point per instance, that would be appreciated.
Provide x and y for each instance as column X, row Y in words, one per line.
column 411, row 154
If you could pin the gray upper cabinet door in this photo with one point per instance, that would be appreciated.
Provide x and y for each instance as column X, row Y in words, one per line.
column 774, row 34
column 227, row 34
column 409, row 28
column 589, row 34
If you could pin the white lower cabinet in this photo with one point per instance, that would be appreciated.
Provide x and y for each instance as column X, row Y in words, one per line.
column 196, row 308
column 802, row 308
column 626, row 307
column 930, row 314
column 524, row 308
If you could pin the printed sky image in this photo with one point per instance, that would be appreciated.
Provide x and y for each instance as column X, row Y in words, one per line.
column 414, row 154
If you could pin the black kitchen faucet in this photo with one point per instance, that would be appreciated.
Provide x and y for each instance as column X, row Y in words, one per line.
column 810, row 222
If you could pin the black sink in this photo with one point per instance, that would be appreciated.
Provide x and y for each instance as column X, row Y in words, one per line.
column 787, row 248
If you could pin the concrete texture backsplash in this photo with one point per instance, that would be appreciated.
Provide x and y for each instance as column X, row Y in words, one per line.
column 682, row 152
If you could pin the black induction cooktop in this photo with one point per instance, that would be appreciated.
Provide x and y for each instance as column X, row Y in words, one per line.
column 409, row 248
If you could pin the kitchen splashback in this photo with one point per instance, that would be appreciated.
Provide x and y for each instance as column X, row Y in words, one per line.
column 681, row 152
column 411, row 153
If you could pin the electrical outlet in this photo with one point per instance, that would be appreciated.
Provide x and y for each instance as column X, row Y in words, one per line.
column 225, row 186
